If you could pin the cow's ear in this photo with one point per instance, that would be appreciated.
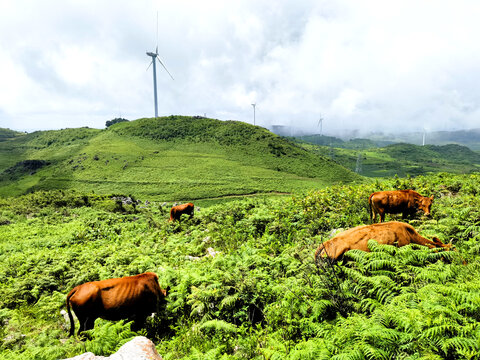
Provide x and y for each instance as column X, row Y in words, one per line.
column 167, row 290
column 431, row 197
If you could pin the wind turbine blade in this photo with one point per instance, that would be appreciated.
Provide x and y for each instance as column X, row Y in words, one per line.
column 149, row 65
column 161, row 63
column 156, row 50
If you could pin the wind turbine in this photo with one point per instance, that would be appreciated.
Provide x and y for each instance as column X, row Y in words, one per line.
column 320, row 123
column 154, row 57
column 254, row 104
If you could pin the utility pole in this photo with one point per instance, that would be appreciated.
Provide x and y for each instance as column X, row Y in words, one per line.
column 358, row 167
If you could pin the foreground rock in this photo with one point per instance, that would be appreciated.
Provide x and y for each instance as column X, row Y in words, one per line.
column 139, row 348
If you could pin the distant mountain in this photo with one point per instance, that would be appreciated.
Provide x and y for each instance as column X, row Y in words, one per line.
column 355, row 143
column 170, row 158
column 469, row 138
column 402, row 159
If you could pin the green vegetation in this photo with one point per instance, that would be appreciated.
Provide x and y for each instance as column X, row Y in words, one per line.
column 114, row 121
column 261, row 296
column 172, row 158
column 6, row 134
column 331, row 141
column 401, row 159
column 469, row 138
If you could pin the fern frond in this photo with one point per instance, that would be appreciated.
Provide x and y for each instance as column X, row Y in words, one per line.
column 372, row 353
column 382, row 264
column 462, row 344
column 439, row 331
column 229, row 301
column 351, row 355
column 369, row 305
column 219, row 325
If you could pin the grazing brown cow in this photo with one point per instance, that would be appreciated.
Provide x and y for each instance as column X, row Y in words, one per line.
column 177, row 211
column 388, row 233
column 130, row 297
column 406, row 202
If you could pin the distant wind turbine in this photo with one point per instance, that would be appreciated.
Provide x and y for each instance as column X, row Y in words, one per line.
column 254, row 104
column 320, row 123
column 154, row 57
column 424, row 135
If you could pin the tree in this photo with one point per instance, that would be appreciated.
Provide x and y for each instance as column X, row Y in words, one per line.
column 114, row 121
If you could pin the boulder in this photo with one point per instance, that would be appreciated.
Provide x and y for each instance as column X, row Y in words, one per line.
column 139, row 348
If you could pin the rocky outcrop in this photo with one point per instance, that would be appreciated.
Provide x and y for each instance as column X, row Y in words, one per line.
column 139, row 348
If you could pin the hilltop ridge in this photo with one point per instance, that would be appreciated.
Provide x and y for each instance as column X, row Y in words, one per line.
column 175, row 157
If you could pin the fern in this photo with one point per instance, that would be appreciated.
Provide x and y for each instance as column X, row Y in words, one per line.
column 107, row 338
column 460, row 345
column 373, row 353
column 350, row 355
column 218, row 326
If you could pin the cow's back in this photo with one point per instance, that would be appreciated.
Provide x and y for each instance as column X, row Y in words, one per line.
column 389, row 233
column 177, row 211
column 393, row 201
column 118, row 298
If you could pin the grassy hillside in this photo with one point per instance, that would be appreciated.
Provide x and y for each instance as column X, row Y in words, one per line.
column 403, row 159
column 6, row 134
column 173, row 158
column 261, row 296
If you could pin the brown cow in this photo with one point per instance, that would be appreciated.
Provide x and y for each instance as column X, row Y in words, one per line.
column 388, row 233
column 177, row 211
column 130, row 297
column 406, row 202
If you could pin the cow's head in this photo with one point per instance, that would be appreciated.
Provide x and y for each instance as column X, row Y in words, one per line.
column 165, row 291
column 439, row 243
column 425, row 204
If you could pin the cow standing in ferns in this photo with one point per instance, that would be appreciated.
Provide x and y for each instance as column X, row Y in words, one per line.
column 130, row 297
column 177, row 211
column 407, row 202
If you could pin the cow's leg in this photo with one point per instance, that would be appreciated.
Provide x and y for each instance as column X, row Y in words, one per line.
column 139, row 322
column 86, row 323
column 382, row 215
column 82, row 321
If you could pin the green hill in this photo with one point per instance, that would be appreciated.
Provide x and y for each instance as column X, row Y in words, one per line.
column 6, row 134
column 402, row 159
column 355, row 143
column 171, row 158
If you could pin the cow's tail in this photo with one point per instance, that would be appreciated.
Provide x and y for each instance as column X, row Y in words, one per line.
column 318, row 255
column 370, row 208
column 72, row 322
column 172, row 215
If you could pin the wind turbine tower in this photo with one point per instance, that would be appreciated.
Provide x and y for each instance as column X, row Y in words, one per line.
column 320, row 123
column 154, row 57
column 254, row 104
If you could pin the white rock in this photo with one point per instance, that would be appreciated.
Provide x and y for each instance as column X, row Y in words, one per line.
column 139, row 348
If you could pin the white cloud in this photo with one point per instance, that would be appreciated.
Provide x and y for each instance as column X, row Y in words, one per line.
column 378, row 64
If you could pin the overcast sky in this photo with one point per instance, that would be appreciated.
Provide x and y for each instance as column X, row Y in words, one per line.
column 369, row 64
